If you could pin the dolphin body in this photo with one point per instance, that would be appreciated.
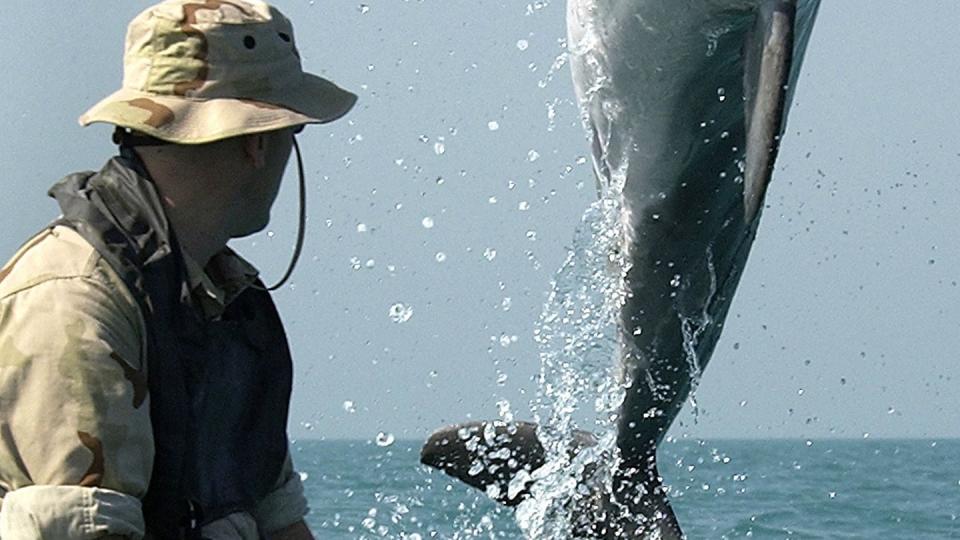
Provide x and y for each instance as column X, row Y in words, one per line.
column 687, row 101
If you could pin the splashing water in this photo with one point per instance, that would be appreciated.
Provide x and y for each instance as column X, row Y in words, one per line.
column 578, row 343
column 576, row 335
column 692, row 328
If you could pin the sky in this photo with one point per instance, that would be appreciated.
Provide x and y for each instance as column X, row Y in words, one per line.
column 455, row 185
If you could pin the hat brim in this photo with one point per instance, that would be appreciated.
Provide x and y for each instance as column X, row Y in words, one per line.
column 186, row 120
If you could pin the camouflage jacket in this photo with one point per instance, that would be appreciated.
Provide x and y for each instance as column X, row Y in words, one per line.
column 76, row 444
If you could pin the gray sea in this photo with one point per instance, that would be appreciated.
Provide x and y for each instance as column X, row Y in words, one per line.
column 784, row 489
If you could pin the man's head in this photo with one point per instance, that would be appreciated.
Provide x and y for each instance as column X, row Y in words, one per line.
column 221, row 83
column 235, row 180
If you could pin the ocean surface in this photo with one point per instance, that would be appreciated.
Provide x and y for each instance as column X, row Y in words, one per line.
column 784, row 489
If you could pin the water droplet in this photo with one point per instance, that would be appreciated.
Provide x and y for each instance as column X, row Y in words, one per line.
column 523, row 206
column 675, row 282
column 439, row 148
column 502, row 379
column 489, row 254
column 493, row 125
column 363, row 8
column 518, row 483
column 427, row 222
column 503, row 410
column 532, row 236
column 304, row 476
column 506, row 303
column 441, row 256
column 533, row 155
column 370, row 264
column 361, row 227
column 492, row 200
column 384, row 439
column 721, row 94
column 349, row 406
column 523, row 44
column 400, row 313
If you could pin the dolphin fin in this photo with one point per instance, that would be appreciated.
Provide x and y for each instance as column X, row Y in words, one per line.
column 768, row 55
column 499, row 458
column 492, row 453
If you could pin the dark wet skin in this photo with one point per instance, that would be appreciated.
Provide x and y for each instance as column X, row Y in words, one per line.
column 695, row 227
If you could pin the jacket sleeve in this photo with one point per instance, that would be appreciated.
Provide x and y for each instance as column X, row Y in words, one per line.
column 69, row 512
column 76, row 445
column 285, row 505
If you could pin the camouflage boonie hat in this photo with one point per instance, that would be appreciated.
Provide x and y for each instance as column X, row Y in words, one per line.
column 204, row 70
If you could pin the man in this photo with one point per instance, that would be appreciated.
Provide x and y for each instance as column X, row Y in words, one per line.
column 144, row 373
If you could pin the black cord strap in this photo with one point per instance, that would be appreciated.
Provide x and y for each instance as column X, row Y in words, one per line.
column 301, row 231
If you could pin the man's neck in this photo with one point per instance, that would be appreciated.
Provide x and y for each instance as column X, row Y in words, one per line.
column 192, row 191
column 199, row 238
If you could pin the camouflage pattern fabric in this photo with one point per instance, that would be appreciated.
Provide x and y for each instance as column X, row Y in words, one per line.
column 76, row 444
column 199, row 71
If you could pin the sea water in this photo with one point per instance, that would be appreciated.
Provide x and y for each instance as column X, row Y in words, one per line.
column 782, row 489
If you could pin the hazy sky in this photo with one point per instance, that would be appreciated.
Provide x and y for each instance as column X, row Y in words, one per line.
column 846, row 320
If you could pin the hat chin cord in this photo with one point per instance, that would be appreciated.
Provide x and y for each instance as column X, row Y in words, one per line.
column 301, row 230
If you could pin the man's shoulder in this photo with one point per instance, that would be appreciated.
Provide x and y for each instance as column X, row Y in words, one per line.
column 59, row 278
column 54, row 254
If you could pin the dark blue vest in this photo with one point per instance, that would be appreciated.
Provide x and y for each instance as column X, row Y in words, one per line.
column 219, row 389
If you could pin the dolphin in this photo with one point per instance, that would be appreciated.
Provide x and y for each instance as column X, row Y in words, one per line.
column 686, row 102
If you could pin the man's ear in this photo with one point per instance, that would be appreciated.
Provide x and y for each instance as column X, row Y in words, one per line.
column 255, row 149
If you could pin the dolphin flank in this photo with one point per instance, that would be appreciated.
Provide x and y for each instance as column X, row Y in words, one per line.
column 687, row 101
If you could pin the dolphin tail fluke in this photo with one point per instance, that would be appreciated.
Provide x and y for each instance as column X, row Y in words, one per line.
column 499, row 458
column 491, row 456
column 768, row 53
